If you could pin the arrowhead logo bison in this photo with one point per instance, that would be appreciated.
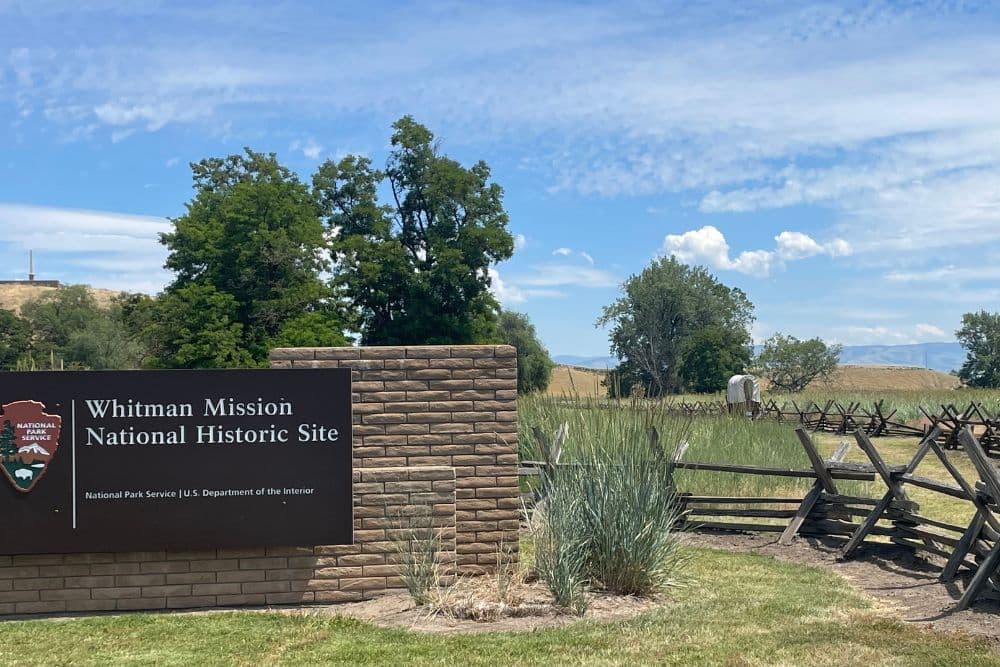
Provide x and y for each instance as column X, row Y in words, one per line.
column 29, row 439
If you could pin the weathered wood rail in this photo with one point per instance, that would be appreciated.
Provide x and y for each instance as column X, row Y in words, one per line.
column 825, row 511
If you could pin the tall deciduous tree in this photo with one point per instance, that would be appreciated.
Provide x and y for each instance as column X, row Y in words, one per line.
column 791, row 364
column 980, row 336
column 416, row 268
column 655, row 322
column 534, row 366
column 251, row 246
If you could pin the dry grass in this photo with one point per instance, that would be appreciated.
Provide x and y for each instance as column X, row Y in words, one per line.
column 12, row 297
column 586, row 382
column 576, row 381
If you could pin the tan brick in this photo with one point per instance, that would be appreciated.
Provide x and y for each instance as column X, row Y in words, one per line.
column 191, row 578
column 265, row 587
column 388, row 352
column 384, row 418
column 39, row 583
column 165, row 591
column 262, row 563
column 105, row 581
column 37, row 559
column 72, row 559
column 191, row 602
column 114, row 568
column 429, row 417
column 428, row 395
column 337, row 353
column 240, row 576
column 216, row 589
column 428, row 352
column 452, row 428
column 63, row 570
column 164, row 567
column 18, row 572
column 19, row 596
column 292, row 353
column 115, row 593
column 362, row 583
column 392, row 397
column 215, row 565
column 40, row 607
column 140, row 580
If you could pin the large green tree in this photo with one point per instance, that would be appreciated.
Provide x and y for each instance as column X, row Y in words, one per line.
column 791, row 364
column 980, row 336
column 659, row 325
column 251, row 248
column 417, row 268
column 15, row 339
column 534, row 366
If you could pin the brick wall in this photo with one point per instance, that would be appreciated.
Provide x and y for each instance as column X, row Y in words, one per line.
column 435, row 429
column 230, row 577
column 439, row 406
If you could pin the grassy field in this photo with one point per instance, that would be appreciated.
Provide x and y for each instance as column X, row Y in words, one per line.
column 725, row 440
column 735, row 609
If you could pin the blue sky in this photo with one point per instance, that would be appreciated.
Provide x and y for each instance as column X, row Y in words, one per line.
column 838, row 162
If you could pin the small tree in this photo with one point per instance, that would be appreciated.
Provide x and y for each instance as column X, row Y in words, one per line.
column 534, row 366
column 980, row 336
column 15, row 339
column 790, row 364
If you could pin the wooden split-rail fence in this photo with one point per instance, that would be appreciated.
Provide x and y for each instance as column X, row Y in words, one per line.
column 876, row 420
column 973, row 547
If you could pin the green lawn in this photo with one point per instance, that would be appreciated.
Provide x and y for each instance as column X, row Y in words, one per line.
column 736, row 609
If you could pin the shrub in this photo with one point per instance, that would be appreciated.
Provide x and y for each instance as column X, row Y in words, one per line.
column 559, row 540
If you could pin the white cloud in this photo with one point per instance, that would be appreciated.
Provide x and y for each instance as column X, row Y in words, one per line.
column 308, row 148
column 508, row 294
column 107, row 249
column 520, row 241
column 708, row 246
column 587, row 257
column 557, row 275
column 172, row 162
column 562, row 252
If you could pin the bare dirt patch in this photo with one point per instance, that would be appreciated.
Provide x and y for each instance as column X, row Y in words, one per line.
column 12, row 297
column 903, row 582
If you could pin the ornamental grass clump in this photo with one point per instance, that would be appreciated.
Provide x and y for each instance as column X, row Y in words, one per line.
column 609, row 514
column 418, row 545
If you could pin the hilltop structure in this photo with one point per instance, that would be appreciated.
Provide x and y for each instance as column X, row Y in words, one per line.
column 31, row 276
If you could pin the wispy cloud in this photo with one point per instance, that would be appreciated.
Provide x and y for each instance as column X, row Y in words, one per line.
column 107, row 249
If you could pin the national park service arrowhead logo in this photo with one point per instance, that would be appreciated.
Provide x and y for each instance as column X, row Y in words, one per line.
column 29, row 439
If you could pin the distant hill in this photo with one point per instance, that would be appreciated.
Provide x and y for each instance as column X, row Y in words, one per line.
column 943, row 357
column 12, row 297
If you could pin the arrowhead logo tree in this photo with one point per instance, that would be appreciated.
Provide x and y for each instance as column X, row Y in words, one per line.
column 29, row 438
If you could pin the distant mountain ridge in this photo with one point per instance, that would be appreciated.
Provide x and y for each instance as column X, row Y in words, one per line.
column 943, row 357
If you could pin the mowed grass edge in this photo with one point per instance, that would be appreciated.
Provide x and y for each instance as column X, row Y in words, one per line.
column 735, row 609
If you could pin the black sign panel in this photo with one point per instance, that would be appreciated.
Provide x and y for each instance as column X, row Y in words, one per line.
column 150, row 460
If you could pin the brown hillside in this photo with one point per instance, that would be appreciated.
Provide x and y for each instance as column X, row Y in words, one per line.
column 12, row 297
column 572, row 380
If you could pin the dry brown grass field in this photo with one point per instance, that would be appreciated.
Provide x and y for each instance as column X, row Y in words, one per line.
column 586, row 382
column 12, row 297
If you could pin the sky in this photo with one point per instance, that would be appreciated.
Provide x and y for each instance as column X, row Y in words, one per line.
column 839, row 162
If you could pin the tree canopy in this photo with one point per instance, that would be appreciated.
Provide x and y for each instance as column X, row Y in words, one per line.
column 15, row 339
column 676, row 326
column 534, row 366
column 980, row 336
column 416, row 269
column 791, row 364
column 250, row 249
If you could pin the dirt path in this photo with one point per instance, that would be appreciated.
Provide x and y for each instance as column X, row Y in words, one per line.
column 889, row 573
